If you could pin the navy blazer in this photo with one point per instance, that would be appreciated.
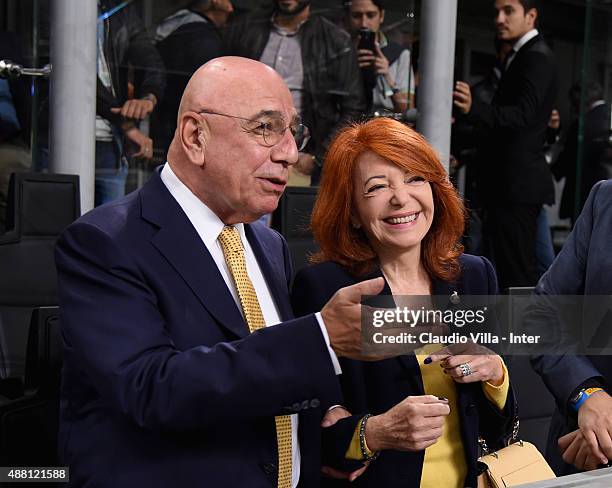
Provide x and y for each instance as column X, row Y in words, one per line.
column 583, row 267
column 375, row 387
column 162, row 383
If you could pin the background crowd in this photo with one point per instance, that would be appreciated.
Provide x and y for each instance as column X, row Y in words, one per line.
column 341, row 64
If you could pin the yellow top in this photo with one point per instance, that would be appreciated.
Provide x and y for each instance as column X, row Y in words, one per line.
column 444, row 463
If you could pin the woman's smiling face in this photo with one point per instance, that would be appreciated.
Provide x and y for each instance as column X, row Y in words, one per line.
column 394, row 207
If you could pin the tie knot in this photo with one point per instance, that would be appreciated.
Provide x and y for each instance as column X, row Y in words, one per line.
column 230, row 239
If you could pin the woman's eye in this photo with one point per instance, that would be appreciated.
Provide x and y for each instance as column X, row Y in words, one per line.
column 415, row 180
column 375, row 188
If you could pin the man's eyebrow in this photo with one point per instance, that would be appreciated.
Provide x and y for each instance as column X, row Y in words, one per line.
column 296, row 119
column 267, row 113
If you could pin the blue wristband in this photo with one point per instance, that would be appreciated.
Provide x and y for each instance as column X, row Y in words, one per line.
column 582, row 396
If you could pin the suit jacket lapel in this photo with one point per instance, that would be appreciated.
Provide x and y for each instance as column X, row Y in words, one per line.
column 272, row 269
column 180, row 244
column 518, row 54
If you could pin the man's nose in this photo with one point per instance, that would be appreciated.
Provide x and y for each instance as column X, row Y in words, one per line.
column 286, row 150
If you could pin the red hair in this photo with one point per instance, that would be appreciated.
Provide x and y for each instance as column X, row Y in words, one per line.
column 404, row 147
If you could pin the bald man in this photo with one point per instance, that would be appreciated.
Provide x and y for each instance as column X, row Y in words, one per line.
column 169, row 379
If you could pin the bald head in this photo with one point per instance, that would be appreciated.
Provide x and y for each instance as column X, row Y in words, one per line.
column 220, row 150
column 225, row 83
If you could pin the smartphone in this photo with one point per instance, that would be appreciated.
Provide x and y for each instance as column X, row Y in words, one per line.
column 366, row 39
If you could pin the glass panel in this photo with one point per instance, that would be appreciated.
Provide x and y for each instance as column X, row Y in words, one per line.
column 578, row 139
column 23, row 43
column 588, row 141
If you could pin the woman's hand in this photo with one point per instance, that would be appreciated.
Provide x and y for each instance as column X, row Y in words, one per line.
column 469, row 363
column 413, row 424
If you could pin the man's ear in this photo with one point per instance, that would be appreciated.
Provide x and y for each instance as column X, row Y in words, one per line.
column 532, row 13
column 193, row 136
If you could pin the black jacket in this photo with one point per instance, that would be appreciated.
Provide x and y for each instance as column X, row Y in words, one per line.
column 511, row 164
column 332, row 82
column 183, row 52
column 127, row 42
column 374, row 387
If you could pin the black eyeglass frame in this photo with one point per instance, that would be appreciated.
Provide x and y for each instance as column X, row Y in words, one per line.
column 294, row 128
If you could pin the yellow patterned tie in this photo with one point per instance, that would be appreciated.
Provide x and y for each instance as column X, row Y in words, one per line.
column 234, row 256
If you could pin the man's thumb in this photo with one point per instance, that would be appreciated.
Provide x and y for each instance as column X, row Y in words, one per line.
column 369, row 287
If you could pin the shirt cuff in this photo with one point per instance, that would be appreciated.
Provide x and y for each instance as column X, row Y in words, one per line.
column 498, row 394
column 332, row 354
column 354, row 453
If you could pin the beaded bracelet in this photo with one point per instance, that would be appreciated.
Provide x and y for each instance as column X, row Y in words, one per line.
column 362, row 442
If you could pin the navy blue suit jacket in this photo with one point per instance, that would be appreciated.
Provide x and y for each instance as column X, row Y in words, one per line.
column 583, row 267
column 375, row 387
column 162, row 383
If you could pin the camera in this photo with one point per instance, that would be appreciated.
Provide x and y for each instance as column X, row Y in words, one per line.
column 366, row 39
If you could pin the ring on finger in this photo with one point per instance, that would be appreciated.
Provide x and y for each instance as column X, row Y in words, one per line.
column 465, row 369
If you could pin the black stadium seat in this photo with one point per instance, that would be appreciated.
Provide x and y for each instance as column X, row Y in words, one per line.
column 40, row 206
column 292, row 220
column 28, row 424
column 536, row 404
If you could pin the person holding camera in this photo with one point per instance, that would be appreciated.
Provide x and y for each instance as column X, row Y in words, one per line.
column 385, row 65
column 315, row 59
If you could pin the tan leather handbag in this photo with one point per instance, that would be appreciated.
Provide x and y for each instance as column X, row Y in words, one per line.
column 516, row 464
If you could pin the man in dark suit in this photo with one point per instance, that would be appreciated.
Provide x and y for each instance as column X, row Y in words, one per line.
column 163, row 383
column 580, row 384
column 512, row 174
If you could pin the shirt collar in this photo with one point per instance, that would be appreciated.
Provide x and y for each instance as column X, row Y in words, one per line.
column 382, row 39
column 205, row 221
column 285, row 32
column 524, row 39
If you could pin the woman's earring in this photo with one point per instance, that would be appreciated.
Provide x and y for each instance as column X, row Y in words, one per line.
column 356, row 225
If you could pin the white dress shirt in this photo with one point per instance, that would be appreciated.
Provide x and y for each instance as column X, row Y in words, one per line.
column 209, row 226
column 519, row 44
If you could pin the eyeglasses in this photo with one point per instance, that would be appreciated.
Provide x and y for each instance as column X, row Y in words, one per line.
column 272, row 129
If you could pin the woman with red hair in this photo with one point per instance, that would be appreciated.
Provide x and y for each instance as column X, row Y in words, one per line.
column 386, row 208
